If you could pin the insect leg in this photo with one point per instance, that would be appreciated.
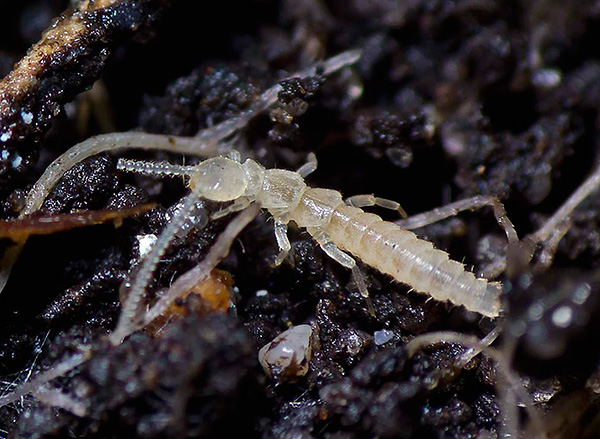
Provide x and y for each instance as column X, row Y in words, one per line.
column 235, row 155
column 236, row 206
column 282, row 241
column 371, row 200
column 452, row 209
column 308, row 167
column 341, row 258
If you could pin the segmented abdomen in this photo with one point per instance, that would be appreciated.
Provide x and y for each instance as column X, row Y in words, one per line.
column 410, row 260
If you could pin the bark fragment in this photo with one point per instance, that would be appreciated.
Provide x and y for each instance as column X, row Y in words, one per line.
column 66, row 61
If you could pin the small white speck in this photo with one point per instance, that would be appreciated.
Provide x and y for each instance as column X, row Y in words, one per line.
column 355, row 91
column 145, row 243
column 562, row 316
column 517, row 328
column 454, row 144
column 535, row 311
column 382, row 337
column 261, row 293
column 582, row 294
column 525, row 281
column 546, row 78
column 27, row 117
column 4, row 137
column 17, row 161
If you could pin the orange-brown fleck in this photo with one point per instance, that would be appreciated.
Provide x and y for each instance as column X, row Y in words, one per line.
column 19, row 229
column 211, row 296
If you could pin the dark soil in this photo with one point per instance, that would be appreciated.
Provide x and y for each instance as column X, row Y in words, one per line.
column 459, row 98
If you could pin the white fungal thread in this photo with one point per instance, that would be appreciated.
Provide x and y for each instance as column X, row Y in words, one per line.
column 339, row 228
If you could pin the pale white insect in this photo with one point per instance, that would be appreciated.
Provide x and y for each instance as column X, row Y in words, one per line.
column 334, row 224
column 338, row 226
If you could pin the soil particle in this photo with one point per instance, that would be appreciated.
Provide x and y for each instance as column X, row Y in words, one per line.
column 375, row 397
column 206, row 97
column 88, row 185
column 162, row 385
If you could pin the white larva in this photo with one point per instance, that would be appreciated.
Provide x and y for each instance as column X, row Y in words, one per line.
column 410, row 260
column 335, row 225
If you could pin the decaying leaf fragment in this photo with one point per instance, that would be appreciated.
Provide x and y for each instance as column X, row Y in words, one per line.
column 21, row 228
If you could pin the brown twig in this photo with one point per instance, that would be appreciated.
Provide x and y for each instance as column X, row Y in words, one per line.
column 65, row 62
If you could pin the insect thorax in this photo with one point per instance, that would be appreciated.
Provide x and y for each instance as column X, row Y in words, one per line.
column 281, row 190
column 315, row 207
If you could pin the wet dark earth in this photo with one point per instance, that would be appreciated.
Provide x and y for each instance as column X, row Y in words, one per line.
column 450, row 99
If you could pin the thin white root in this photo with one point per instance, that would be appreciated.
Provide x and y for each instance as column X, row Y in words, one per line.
column 452, row 209
column 508, row 397
column 556, row 227
column 269, row 96
column 133, row 303
column 197, row 274
column 549, row 246
column 564, row 212
column 43, row 378
column 548, row 236
column 485, row 341
column 55, row 398
column 473, row 344
column 11, row 254
column 110, row 142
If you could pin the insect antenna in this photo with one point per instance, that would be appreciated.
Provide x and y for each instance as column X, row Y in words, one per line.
column 134, row 291
column 154, row 169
